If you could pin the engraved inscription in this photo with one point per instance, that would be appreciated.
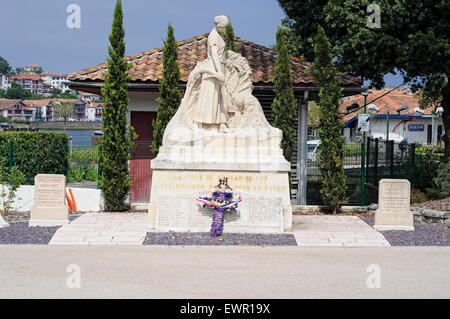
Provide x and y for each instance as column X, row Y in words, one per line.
column 173, row 213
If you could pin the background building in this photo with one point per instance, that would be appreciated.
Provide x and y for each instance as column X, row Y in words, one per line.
column 416, row 124
column 32, row 82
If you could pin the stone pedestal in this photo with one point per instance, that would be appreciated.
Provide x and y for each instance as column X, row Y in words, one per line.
column 50, row 208
column 3, row 222
column 393, row 211
column 256, row 171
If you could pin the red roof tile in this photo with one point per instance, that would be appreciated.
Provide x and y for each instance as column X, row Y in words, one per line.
column 6, row 104
column 388, row 103
column 27, row 76
column 147, row 66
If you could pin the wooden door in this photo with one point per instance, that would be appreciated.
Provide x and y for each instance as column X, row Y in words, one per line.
column 141, row 174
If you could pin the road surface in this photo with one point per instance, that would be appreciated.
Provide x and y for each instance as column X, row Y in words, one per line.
column 223, row 272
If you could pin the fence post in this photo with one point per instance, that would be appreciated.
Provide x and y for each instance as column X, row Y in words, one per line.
column 99, row 168
column 412, row 160
column 391, row 151
column 11, row 155
column 363, row 159
column 70, row 143
column 375, row 168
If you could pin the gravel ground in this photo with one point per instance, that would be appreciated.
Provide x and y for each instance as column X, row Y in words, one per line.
column 13, row 217
column 424, row 234
column 229, row 239
column 18, row 233
column 439, row 204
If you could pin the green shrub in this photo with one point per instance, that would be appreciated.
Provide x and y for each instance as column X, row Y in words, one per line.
column 417, row 196
column 10, row 181
column 442, row 179
column 425, row 169
column 432, row 193
column 116, row 139
column 36, row 152
column 82, row 171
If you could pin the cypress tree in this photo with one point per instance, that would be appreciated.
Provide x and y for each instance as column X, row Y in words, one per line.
column 170, row 92
column 229, row 38
column 284, row 106
column 333, row 189
column 116, row 141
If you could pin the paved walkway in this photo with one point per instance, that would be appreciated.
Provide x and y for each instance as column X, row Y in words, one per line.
column 131, row 229
column 335, row 231
column 103, row 229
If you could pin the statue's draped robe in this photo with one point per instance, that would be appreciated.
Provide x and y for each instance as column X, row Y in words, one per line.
column 210, row 108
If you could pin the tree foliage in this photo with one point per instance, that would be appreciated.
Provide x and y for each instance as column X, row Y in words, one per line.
column 229, row 38
column 5, row 68
column 412, row 38
column 284, row 105
column 170, row 92
column 17, row 92
column 443, row 178
column 36, row 152
column 116, row 140
column 334, row 186
column 64, row 109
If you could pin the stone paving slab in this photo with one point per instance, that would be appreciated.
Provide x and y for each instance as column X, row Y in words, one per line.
column 335, row 231
column 131, row 229
column 103, row 229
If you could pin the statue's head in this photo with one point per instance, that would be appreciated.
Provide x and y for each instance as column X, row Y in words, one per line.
column 221, row 23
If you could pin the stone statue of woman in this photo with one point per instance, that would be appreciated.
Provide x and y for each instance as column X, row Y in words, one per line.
column 210, row 107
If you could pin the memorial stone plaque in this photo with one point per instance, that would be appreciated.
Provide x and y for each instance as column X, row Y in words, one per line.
column 255, row 214
column 393, row 211
column 50, row 208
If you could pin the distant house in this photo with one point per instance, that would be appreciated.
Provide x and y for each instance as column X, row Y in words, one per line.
column 55, row 80
column 43, row 109
column 413, row 123
column 32, row 68
column 32, row 82
column 4, row 83
column 89, row 96
column 13, row 109
column 79, row 110
column 94, row 112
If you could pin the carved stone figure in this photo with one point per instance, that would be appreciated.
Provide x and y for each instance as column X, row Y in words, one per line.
column 210, row 107
column 218, row 98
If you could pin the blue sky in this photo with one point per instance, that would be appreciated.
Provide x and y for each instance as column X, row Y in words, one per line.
column 35, row 32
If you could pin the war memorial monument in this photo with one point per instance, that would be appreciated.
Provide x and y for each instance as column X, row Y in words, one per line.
column 220, row 131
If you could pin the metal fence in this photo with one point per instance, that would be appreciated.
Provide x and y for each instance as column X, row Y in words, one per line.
column 382, row 159
column 84, row 169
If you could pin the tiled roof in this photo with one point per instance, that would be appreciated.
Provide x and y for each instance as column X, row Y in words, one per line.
column 36, row 103
column 388, row 103
column 88, row 94
column 147, row 66
column 49, row 73
column 27, row 76
column 6, row 104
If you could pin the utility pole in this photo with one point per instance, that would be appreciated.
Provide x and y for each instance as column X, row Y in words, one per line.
column 387, row 126
column 363, row 156
column 302, row 152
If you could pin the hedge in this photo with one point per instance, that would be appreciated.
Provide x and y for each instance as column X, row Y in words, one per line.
column 36, row 152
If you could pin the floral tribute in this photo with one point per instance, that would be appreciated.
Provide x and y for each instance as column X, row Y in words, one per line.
column 222, row 201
